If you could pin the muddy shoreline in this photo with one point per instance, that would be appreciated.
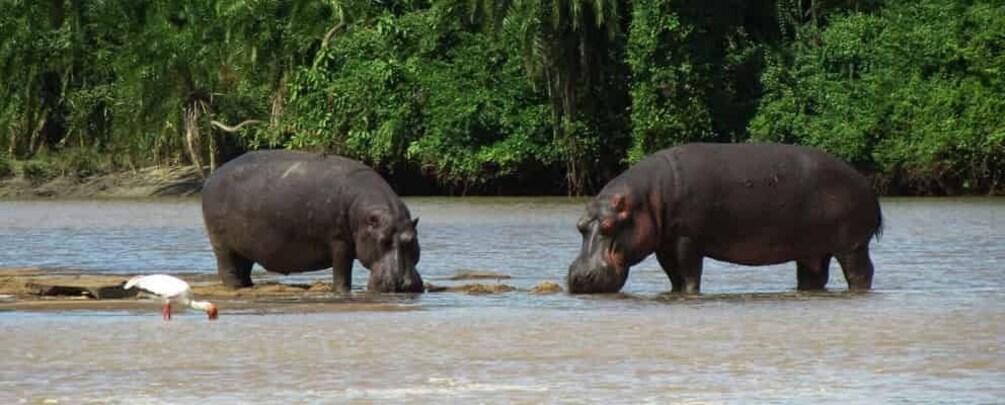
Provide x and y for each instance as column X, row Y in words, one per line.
column 156, row 181
column 37, row 289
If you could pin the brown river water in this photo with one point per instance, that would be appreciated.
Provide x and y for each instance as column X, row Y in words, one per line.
column 932, row 330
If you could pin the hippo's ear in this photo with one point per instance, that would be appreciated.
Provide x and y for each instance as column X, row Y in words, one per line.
column 619, row 202
column 621, row 206
column 415, row 222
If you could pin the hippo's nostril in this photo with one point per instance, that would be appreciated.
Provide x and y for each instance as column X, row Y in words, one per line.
column 412, row 284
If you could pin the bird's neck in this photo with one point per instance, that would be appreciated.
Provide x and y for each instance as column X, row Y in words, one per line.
column 200, row 305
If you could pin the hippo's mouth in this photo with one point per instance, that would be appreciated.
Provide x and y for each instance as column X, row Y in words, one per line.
column 603, row 271
column 602, row 265
column 614, row 257
column 382, row 279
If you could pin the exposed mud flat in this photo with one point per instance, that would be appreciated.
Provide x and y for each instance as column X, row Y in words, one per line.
column 472, row 289
column 36, row 289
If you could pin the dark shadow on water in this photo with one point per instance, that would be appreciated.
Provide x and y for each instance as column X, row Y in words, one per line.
column 760, row 296
column 674, row 298
column 354, row 298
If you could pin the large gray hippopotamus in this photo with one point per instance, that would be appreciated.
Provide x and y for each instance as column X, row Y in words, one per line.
column 295, row 211
column 752, row 204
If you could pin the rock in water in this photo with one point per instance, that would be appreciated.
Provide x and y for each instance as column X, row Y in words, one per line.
column 546, row 287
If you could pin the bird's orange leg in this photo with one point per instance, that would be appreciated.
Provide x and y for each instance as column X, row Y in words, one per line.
column 167, row 311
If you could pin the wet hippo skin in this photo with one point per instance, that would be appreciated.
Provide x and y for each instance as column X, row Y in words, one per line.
column 751, row 204
column 296, row 211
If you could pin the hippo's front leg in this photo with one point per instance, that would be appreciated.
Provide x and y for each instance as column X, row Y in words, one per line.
column 682, row 263
column 234, row 270
column 668, row 261
column 342, row 257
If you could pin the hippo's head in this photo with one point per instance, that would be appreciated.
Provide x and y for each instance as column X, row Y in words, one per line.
column 388, row 245
column 615, row 237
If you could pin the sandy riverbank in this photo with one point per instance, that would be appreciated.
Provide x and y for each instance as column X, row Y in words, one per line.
column 34, row 289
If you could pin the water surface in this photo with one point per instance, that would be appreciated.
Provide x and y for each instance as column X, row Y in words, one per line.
column 931, row 331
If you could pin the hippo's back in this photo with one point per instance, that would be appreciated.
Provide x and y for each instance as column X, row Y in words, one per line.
column 784, row 199
column 266, row 204
column 268, row 167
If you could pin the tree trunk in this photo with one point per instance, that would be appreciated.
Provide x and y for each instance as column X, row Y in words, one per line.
column 573, row 164
column 192, row 138
column 276, row 110
column 212, row 152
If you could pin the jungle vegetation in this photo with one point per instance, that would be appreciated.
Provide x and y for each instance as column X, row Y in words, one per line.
column 505, row 96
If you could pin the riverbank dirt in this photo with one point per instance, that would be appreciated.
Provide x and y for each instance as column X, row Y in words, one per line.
column 36, row 289
column 168, row 181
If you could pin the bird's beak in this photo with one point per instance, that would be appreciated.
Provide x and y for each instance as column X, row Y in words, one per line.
column 213, row 314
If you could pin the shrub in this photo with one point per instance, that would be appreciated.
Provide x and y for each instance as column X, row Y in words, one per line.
column 36, row 170
column 6, row 167
column 80, row 162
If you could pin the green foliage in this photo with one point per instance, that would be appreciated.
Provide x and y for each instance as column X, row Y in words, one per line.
column 694, row 71
column 120, row 75
column 6, row 166
column 79, row 162
column 357, row 97
column 479, row 121
column 668, row 106
column 560, row 93
column 36, row 170
column 913, row 92
column 463, row 114
column 572, row 51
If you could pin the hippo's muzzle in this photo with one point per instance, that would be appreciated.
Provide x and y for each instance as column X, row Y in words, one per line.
column 599, row 268
column 395, row 274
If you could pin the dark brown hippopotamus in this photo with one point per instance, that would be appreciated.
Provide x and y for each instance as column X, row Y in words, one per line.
column 752, row 204
column 295, row 212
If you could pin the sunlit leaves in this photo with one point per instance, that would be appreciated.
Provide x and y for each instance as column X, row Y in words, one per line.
column 909, row 91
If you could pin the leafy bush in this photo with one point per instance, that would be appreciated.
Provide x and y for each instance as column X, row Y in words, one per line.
column 478, row 93
column 36, row 170
column 912, row 92
column 391, row 95
column 80, row 162
column 6, row 167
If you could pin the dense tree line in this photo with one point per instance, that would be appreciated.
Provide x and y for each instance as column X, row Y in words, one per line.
column 506, row 96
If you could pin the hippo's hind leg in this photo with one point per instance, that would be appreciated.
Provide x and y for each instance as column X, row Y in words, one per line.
column 813, row 273
column 234, row 269
column 857, row 267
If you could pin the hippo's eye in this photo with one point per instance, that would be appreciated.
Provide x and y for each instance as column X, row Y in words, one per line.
column 606, row 225
column 584, row 224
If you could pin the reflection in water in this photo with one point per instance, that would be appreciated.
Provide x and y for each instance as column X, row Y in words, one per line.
column 932, row 331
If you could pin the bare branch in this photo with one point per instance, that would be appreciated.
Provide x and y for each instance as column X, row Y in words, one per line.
column 328, row 37
column 235, row 128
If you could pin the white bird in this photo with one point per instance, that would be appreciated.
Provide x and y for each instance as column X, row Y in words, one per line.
column 171, row 289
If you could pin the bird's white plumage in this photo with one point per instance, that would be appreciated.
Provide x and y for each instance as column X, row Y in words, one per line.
column 162, row 285
column 170, row 289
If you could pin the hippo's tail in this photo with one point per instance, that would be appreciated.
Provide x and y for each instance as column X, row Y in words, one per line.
column 879, row 224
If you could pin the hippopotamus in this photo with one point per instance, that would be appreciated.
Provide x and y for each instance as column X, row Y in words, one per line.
column 295, row 212
column 750, row 204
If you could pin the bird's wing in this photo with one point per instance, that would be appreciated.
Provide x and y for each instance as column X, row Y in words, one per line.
column 160, row 284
